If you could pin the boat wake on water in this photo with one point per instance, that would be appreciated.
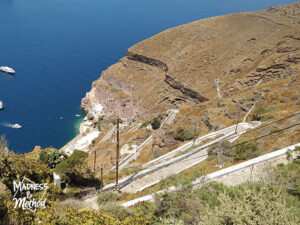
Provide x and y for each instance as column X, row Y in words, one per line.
column 11, row 125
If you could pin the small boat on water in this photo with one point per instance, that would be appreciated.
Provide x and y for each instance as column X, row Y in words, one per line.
column 1, row 105
column 16, row 126
column 7, row 69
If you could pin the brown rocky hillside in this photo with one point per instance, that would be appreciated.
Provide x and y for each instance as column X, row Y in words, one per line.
column 256, row 56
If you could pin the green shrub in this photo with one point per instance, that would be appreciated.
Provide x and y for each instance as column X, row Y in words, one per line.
column 183, row 134
column 146, row 210
column 287, row 176
column 282, row 100
column 4, row 197
column 145, row 124
column 70, row 168
column 246, row 151
column 104, row 123
column 189, row 133
column 116, row 210
column 107, row 196
column 169, row 221
column 251, row 204
column 257, row 113
column 178, row 134
column 88, row 217
column 71, row 203
column 272, row 107
column 51, row 157
column 15, row 167
column 215, row 203
column 266, row 117
column 155, row 123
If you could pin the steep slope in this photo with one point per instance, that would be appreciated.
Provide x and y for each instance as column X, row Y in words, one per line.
column 178, row 66
column 255, row 55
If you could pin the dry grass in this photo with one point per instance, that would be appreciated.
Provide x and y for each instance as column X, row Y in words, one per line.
column 71, row 203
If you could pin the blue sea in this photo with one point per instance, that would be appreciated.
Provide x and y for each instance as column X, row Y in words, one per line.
column 59, row 47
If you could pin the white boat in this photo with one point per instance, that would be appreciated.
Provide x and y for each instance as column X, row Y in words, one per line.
column 16, row 126
column 7, row 69
column 1, row 105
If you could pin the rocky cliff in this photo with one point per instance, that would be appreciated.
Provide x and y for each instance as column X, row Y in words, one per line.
column 256, row 57
column 177, row 67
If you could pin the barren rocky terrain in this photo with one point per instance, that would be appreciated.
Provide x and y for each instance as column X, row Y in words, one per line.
column 255, row 55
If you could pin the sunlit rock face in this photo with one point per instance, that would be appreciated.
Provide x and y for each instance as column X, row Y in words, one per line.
column 177, row 68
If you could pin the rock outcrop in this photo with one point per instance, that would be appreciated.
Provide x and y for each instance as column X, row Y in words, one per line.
column 177, row 67
column 256, row 57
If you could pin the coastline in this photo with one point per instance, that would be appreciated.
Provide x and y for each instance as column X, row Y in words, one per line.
column 85, row 132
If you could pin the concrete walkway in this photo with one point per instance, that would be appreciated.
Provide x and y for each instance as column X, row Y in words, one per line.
column 249, row 170
column 153, row 178
column 164, row 168
column 153, row 175
column 108, row 134
column 136, row 154
column 242, row 127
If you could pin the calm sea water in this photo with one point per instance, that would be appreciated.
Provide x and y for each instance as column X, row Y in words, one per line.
column 58, row 47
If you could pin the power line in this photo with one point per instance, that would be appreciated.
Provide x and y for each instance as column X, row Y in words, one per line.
column 273, row 122
column 257, row 128
column 254, row 139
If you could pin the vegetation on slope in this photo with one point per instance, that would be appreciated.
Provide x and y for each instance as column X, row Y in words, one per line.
column 273, row 201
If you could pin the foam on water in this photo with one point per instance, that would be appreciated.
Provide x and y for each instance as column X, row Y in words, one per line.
column 10, row 125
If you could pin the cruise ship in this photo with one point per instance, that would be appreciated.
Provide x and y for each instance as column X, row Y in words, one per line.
column 7, row 69
column 1, row 105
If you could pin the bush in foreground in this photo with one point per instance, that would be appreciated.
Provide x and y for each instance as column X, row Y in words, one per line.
column 271, row 202
column 70, row 169
column 51, row 157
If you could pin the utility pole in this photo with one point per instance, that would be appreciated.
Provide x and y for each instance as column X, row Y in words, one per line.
column 217, row 83
column 117, row 158
column 101, row 179
column 132, row 107
column 218, row 154
column 95, row 161
column 195, row 136
column 237, row 122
